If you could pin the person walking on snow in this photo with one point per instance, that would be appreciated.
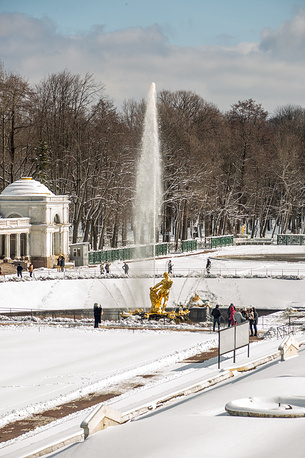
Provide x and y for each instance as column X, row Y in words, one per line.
column 170, row 267
column 19, row 270
column 208, row 265
column 107, row 267
column 125, row 267
column 30, row 269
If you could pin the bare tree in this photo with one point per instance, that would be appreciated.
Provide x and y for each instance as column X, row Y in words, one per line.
column 15, row 96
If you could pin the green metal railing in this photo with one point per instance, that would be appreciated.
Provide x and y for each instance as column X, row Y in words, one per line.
column 123, row 254
column 291, row 239
column 189, row 245
column 143, row 251
column 223, row 240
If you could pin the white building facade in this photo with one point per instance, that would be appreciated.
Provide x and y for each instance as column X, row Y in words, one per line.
column 34, row 223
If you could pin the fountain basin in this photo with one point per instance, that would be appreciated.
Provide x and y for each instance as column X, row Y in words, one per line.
column 272, row 407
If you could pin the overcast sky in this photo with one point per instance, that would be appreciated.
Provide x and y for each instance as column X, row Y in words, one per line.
column 224, row 50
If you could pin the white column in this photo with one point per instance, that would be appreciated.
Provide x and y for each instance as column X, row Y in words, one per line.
column 27, row 245
column 7, row 246
column 65, row 240
column 17, row 249
column 60, row 242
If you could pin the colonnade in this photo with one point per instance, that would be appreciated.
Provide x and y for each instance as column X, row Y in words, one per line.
column 14, row 245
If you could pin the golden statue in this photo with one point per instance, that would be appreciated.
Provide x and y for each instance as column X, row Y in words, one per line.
column 159, row 294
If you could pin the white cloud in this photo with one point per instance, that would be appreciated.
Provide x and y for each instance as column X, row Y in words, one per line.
column 288, row 41
column 127, row 61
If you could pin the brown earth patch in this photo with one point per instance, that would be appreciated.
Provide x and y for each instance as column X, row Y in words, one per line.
column 15, row 429
column 201, row 357
column 7, row 268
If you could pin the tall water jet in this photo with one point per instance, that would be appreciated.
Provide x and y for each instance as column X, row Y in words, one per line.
column 148, row 185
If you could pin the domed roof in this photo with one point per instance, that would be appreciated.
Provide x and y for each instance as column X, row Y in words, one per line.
column 26, row 186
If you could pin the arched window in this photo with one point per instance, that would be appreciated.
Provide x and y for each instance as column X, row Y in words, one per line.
column 14, row 215
column 56, row 219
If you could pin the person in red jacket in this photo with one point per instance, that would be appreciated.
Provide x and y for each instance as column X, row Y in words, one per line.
column 232, row 312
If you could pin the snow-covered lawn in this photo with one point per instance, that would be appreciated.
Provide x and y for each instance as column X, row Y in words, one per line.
column 43, row 367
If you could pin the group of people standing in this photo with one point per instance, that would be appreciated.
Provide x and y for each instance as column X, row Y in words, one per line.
column 60, row 263
column 105, row 268
column 20, row 269
column 237, row 316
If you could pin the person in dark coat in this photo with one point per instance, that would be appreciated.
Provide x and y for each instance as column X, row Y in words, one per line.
column 229, row 313
column 253, row 317
column 125, row 267
column 19, row 270
column 97, row 314
column 170, row 267
column 107, row 267
column 101, row 312
column 62, row 263
column 208, row 265
column 216, row 317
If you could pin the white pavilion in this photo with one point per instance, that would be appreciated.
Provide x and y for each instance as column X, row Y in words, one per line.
column 34, row 223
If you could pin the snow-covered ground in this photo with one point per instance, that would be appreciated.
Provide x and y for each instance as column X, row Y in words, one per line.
column 42, row 366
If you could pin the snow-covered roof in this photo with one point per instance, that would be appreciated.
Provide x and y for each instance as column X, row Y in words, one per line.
column 26, row 186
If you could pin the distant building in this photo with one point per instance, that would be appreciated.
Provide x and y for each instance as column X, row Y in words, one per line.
column 34, row 223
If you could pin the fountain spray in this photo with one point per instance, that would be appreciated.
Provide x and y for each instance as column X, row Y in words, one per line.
column 148, row 185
